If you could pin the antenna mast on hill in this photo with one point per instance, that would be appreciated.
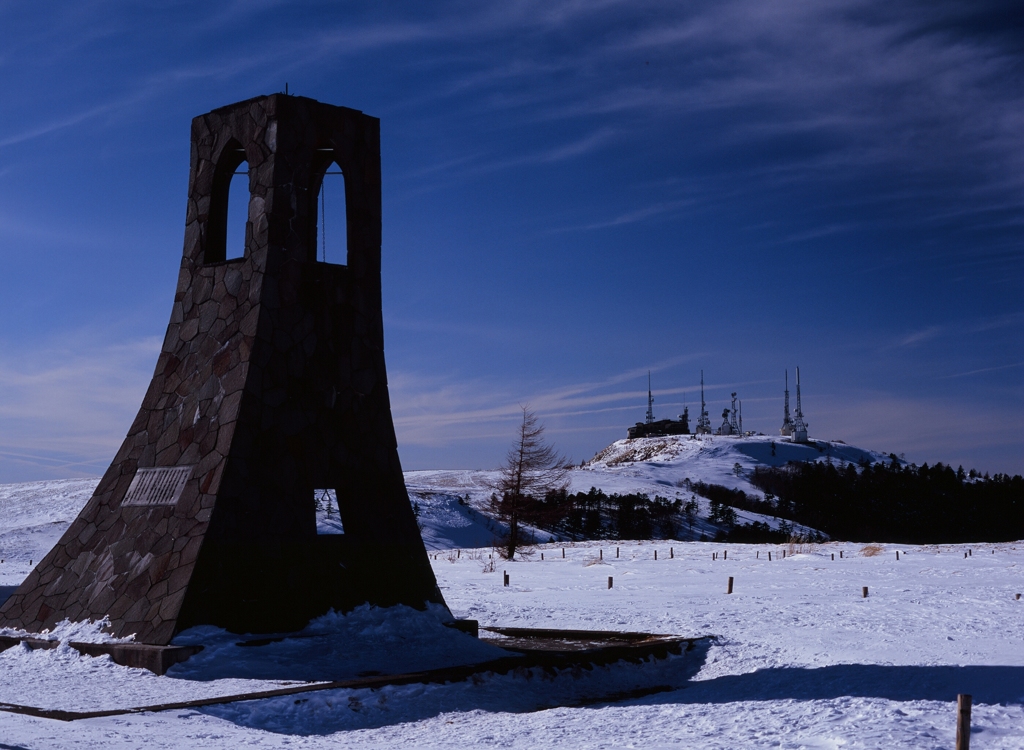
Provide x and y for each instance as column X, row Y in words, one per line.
column 799, row 407
column 703, row 423
column 685, row 416
column 787, row 423
column 799, row 425
column 650, row 400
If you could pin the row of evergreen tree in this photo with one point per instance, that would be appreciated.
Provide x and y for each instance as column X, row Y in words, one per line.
column 596, row 515
column 870, row 502
column 893, row 502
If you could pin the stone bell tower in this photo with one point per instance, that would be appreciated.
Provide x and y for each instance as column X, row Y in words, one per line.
column 270, row 385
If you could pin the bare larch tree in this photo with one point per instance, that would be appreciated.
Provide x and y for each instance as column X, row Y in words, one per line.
column 532, row 468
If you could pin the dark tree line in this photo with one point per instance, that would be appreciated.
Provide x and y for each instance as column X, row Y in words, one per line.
column 595, row 515
column 893, row 502
column 884, row 502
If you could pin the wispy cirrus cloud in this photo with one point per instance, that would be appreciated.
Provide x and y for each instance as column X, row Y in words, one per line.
column 53, row 126
column 67, row 403
column 660, row 208
column 983, row 370
column 436, row 411
column 921, row 336
column 571, row 150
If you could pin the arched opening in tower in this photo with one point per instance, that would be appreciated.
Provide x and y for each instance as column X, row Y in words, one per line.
column 332, row 218
column 229, row 206
column 238, row 213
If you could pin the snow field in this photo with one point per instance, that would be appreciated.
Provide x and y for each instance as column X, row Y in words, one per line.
column 801, row 660
column 931, row 607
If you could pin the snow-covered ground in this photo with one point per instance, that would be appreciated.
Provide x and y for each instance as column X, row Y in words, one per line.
column 801, row 659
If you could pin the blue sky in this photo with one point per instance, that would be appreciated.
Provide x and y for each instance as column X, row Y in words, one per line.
column 574, row 193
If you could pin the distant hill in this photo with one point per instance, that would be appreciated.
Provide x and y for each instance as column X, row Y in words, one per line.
column 747, row 474
column 669, row 467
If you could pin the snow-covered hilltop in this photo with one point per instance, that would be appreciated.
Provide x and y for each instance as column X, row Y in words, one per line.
column 454, row 505
column 714, row 459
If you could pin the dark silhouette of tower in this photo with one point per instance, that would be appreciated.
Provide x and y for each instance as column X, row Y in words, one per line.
column 703, row 422
column 270, row 385
column 799, row 425
column 787, row 423
column 650, row 401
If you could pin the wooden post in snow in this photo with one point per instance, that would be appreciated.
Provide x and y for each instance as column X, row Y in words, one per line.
column 864, row 592
column 730, row 586
column 963, row 722
column 609, row 581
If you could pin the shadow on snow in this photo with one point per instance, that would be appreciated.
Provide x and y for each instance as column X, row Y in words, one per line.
column 667, row 682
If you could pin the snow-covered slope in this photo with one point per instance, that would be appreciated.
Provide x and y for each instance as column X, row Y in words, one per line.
column 448, row 516
column 32, row 518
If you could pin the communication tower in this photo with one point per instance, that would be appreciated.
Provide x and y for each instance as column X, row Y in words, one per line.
column 799, row 425
column 703, row 422
column 787, row 423
column 650, row 400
